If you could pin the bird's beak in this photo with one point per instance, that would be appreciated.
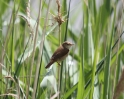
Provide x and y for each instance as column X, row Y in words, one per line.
column 72, row 44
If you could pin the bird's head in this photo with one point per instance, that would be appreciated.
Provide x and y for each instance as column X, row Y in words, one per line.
column 67, row 44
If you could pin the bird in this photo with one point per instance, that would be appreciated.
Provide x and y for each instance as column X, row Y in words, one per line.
column 60, row 54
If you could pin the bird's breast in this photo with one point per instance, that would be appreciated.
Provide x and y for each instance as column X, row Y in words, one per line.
column 62, row 58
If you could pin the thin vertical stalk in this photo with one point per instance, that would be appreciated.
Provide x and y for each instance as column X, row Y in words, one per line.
column 1, row 47
column 33, row 53
column 59, row 68
column 67, row 21
column 94, row 68
column 12, row 50
column 41, row 50
column 95, row 59
column 81, row 81
column 107, row 66
column 117, row 61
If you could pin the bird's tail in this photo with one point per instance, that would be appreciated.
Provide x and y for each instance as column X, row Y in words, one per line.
column 49, row 64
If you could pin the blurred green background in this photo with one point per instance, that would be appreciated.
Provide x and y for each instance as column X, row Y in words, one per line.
column 30, row 32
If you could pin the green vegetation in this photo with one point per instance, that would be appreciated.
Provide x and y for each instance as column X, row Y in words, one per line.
column 30, row 32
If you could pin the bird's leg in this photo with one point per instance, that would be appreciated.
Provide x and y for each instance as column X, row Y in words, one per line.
column 59, row 64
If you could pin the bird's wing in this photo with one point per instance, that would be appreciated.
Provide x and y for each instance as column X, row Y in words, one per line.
column 58, row 54
column 50, row 63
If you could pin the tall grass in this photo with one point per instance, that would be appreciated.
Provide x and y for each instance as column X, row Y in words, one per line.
column 29, row 37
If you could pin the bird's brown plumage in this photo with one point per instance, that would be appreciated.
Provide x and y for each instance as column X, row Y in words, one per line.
column 58, row 55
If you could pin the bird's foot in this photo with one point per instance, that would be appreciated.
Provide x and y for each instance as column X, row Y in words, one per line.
column 59, row 64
